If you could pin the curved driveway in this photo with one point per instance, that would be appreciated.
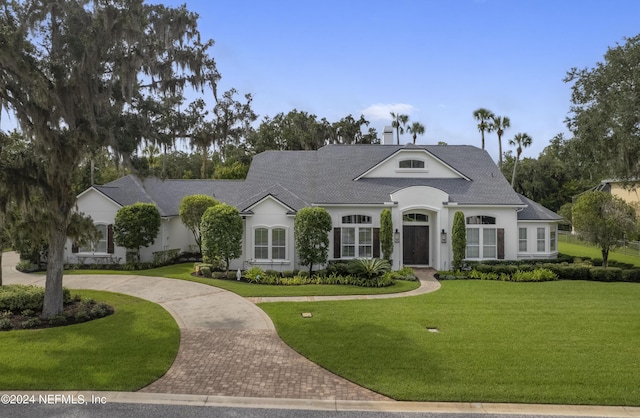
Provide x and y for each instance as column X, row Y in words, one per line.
column 228, row 346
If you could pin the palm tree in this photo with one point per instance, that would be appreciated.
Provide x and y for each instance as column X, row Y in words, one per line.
column 399, row 122
column 483, row 115
column 522, row 140
column 416, row 129
column 499, row 124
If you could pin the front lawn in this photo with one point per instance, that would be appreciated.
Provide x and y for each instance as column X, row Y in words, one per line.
column 183, row 272
column 566, row 342
column 123, row 352
column 579, row 250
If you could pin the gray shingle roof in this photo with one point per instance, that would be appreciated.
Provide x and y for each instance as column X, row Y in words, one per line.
column 327, row 176
column 536, row 212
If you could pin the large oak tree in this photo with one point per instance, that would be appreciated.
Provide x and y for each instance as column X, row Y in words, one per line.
column 75, row 75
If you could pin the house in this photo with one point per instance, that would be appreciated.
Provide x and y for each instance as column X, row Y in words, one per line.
column 422, row 185
column 627, row 191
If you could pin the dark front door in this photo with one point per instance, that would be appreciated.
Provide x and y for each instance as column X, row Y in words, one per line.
column 415, row 245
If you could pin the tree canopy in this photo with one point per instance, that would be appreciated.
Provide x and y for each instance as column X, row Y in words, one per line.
column 74, row 95
column 311, row 230
column 603, row 219
column 221, row 230
column 136, row 226
column 605, row 111
column 191, row 210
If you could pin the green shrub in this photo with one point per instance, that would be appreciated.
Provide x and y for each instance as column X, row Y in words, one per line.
column 338, row 267
column 303, row 273
column 254, row 274
column 24, row 266
column 205, row 272
column 451, row 275
column 405, row 273
column 321, row 273
column 99, row 310
column 5, row 324
column 58, row 320
column 231, row 275
column 27, row 312
column 274, row 273
column 31, row 323
column 537, row 275
column 17, row 298
column 609, row 274
column 161, row 258
column 369, row 267
column 81, row 316
column 477, row 274
column 221, row 275
column 288, row 273
column 631, row 275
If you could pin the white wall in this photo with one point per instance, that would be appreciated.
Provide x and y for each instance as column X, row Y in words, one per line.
column 434, row 168
column 268, row 213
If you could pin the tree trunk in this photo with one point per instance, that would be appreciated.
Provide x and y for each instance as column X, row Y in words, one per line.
column 310, row 270
column 513, row 176
column 53, row 303
column 1, row 252
column 500, row 151
column 605, row 258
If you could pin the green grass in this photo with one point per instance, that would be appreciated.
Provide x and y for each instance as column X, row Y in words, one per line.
column 578, row 250
column 567, row 342
column 122, row 352
column 183, row 272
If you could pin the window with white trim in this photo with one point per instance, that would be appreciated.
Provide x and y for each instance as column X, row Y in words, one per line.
column 270, row 243
column 100, row 246
column 553, row 242
column 482, row 242
column 416, row 164
column 356, row 241
column 522, row 239
column 541, row 239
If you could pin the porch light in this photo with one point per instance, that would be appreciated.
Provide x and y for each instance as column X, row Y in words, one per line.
column 443, row 237
column 396, row 236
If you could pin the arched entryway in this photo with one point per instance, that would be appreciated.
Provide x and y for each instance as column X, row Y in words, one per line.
column 415, row 238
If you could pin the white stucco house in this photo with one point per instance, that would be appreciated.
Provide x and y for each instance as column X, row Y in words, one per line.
column 422, row 185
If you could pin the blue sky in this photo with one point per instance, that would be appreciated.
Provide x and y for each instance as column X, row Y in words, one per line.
column 436, row 60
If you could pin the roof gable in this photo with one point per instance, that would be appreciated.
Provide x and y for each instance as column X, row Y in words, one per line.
column 412, row 162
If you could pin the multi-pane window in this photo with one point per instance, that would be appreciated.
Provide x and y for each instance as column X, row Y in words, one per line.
column 270, row 244
column 278, row 244
column 489, row 243
column 415, row 217
column 522, row 239
column 482, row 242
column 356, row 241
column 411, row 164
column 99, row 246
column 262, row 243
column 541, row 239
column 473, row 243
column 552, row 240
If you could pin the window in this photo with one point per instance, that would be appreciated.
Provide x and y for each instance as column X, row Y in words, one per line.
column 541, row 240
column 270, row 244
column 99, row 246
column 262, row 244
column 522, row 239
column 415, row 217
column 356, row 219
column 489, row 243
column 356, row 241
column 473, row 243
column 278, row 244
column 552, row 240
column 411, row 164
column 481, row 220
column 482, row 242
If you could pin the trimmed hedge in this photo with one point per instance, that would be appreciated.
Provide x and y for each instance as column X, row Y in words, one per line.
column 17, row 297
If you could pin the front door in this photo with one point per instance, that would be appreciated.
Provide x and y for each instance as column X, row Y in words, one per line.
column 415, row 245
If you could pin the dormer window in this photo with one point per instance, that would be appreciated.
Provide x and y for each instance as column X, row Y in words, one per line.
column 415, row 164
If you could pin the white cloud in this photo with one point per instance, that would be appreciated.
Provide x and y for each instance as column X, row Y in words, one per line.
column 382, row 111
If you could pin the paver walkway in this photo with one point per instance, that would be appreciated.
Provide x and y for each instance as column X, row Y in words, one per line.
column 228, row 346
